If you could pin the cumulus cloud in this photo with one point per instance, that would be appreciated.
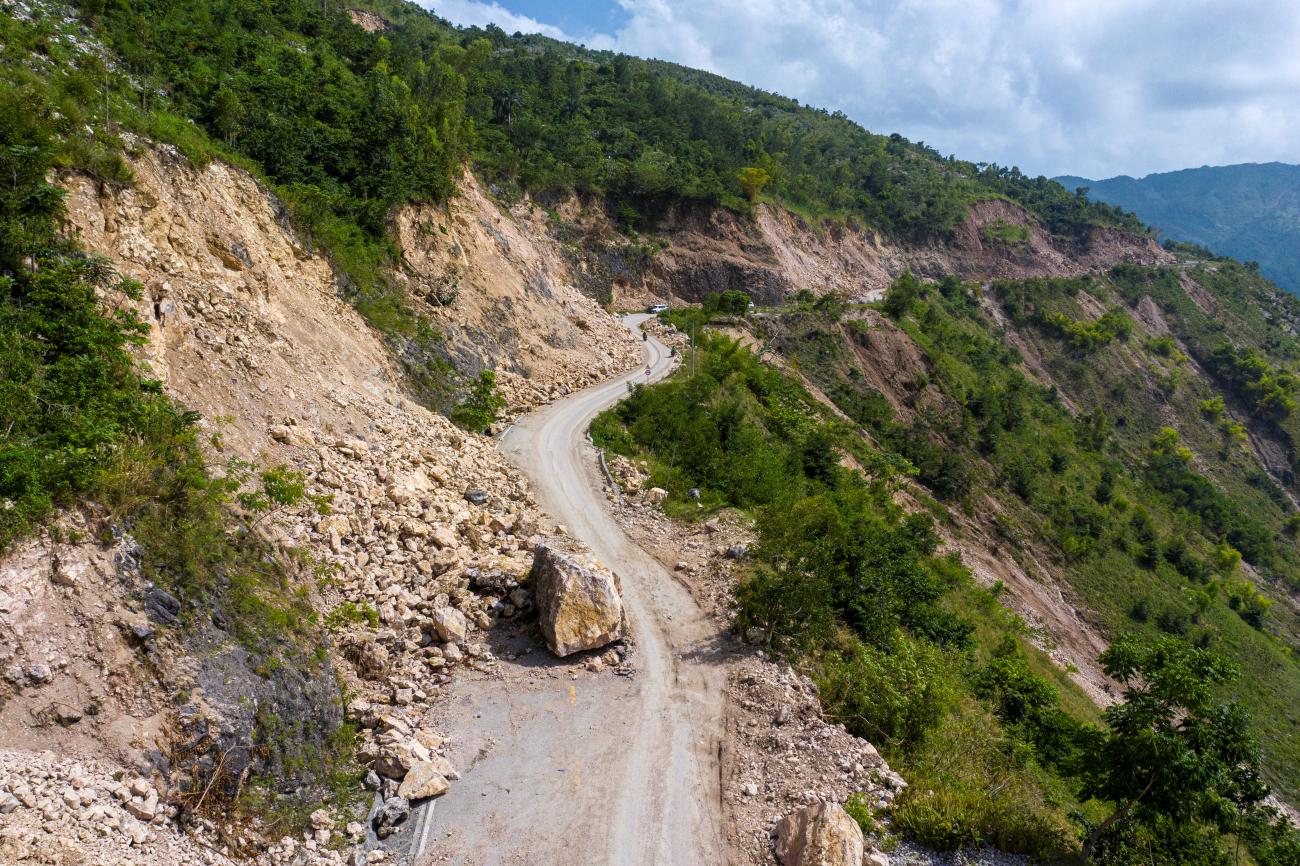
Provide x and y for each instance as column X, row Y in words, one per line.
column 1092, row 87
column 470, row 13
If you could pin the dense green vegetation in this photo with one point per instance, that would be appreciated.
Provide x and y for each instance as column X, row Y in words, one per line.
column 1250, row 212
column 1102, row 491
column 352, row 122
column 345, row 125
column 328, row 111
column 910, row 654
column 1150, row 526
column 166, row 91
column 649, row 134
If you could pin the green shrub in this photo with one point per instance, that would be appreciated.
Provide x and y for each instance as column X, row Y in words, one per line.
column 859, row 809
column 349, row 613
column 1213, row 407
column 902, row 295
column 480, row 407
column 728, row 303
column 1003, row 232
column 1090, row 336
column 892, row 697
column 1249, row 603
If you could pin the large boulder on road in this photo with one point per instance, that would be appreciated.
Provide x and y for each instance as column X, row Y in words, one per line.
column 578, row 600
column 424, row 781
column 822, row 834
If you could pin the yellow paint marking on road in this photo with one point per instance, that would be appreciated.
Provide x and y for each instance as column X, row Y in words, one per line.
column 573, row 695
column 577, row 775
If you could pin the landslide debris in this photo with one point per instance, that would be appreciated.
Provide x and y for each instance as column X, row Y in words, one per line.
column 426, row 541
column 821, row 834
column 578, row 600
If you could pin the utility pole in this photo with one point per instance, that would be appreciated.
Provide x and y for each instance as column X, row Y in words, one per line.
column 694, row 349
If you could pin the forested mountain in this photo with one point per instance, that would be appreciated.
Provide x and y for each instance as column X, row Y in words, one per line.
column 369, row 119
column 1021, row 485
column 1250, row 212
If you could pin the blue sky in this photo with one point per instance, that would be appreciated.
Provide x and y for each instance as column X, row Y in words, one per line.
column 1088, row 87
column 577, row 16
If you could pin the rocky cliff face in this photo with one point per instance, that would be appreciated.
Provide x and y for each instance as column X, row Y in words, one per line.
column 778, row 253
column 428, row 527
column 502, row 290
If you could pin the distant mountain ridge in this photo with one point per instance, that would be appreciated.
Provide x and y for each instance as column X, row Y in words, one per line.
column 1249, row 211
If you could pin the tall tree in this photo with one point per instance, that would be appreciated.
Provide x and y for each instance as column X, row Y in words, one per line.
column 1174, row 756
column 752, row 180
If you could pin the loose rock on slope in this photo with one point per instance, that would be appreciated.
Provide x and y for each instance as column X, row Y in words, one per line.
column 430, row 531
column 822, row 834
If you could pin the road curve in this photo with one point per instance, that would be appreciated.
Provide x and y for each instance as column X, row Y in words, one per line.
column 606, row 770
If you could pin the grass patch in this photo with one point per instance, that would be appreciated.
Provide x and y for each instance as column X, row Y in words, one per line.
column 1003, row 232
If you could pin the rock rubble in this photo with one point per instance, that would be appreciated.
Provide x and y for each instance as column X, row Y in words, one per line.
column 820, row 834
column 427, row 542
column 54, row 810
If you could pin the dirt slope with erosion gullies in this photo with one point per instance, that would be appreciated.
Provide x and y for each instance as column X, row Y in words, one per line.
column 689, row 254
column 888, row 362
column 1068, row 556
column 405, row 571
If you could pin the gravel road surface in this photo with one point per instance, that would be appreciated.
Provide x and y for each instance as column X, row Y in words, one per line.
column 560, row 770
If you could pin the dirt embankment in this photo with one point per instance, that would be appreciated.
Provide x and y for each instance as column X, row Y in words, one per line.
column 430, row 531
column 779, row 253
column 502, row 291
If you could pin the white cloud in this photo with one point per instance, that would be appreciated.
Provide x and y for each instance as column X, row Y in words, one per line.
column 470, row 13
column 1094, row 87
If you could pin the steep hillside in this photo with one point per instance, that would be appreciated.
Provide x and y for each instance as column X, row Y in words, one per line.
column 500, row 289
column 982, row 435
column 1250, row 212
column 1018, row 480
column 247, row 328
column 1070, row 448
column 226, row 282
column 693, row 253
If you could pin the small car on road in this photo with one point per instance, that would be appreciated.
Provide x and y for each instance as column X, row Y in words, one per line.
column 657, row 308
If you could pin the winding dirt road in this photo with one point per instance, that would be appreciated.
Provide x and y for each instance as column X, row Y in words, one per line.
column 609, row 770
